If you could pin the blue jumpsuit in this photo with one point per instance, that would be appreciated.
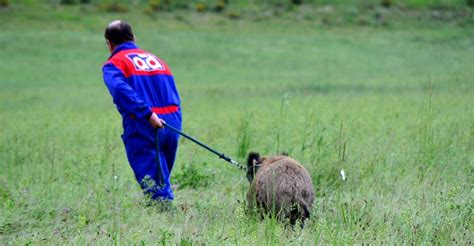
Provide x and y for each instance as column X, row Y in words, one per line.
column 140, row 83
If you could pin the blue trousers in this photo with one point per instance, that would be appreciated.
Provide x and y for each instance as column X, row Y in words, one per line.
column 139, row 139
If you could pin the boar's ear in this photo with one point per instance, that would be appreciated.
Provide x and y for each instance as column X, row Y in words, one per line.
column 252, row 160
column 285, row 153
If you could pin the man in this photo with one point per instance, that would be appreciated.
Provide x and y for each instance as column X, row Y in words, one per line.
column 143, row 89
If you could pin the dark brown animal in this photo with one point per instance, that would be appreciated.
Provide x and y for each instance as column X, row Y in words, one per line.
column 279, row 186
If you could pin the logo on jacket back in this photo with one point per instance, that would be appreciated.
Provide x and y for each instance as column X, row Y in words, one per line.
column 145, row 62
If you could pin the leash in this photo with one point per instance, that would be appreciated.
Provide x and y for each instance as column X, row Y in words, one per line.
column 219, row 154
column 160, row 173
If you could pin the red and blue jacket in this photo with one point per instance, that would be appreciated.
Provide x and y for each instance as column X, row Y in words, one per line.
column 140, row 83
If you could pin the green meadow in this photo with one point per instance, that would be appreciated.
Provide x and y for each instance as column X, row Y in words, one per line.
column 392, row 106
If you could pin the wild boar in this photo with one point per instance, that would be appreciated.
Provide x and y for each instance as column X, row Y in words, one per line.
column 279, row 186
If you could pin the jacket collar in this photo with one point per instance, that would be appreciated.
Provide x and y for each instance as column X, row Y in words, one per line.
column 124, row 46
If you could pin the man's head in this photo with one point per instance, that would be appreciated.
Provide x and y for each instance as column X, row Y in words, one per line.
column 118, row 32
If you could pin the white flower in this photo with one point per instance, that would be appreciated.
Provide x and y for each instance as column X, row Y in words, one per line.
column 115, row 177
column 343, row 174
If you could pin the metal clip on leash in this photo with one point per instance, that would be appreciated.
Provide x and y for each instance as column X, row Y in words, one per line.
column 221, row 155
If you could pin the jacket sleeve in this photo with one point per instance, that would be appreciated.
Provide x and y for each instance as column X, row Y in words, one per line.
column 124, row 96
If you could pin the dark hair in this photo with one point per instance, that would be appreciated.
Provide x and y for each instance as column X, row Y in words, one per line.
column 118, row 32
column 252, row 160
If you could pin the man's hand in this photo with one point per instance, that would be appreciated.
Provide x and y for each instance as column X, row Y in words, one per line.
column 156, row 122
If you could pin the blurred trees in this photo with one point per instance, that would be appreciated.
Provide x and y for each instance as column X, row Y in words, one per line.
column 235, row 8
column 170, row 4
column 4, row 3
column 470, row 3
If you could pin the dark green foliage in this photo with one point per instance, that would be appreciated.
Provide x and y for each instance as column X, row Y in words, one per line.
column 470, row 3
column 297, row 2
column 113, row 7
column 69, row 2
column 201, row 7
column 386, row 3
column 73, row 2
column 166, row 5
column 4, row 3
column 233, row 15
column 154, row 4
column 191, row 176
column 219, row 6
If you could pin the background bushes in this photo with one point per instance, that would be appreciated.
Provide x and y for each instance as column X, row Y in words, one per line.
column 4, row 3
column 218, row 4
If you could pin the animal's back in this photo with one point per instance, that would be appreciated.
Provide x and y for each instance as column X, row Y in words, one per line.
column 283, row 186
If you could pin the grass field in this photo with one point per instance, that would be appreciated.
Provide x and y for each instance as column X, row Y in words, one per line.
column 393, row 107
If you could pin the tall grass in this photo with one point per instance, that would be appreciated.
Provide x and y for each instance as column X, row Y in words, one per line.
column 281, row 125
column 360, row 100
column 245, row 136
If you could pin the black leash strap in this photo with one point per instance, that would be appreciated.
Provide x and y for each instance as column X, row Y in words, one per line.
column 221, row 155
column 158, row 163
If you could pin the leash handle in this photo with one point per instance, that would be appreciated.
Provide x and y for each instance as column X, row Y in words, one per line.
column 220, row 155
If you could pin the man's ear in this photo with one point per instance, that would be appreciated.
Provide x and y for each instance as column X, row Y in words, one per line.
column 109, row 45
